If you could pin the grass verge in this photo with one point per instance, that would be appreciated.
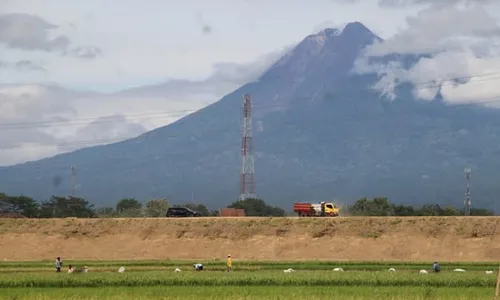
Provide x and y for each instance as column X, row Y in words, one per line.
column 250, row 293
column 264, row 278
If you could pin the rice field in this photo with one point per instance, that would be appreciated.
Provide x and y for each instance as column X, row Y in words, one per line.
column 251, row 293
column 249, row 280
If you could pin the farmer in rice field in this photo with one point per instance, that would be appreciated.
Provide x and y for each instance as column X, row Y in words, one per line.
column 198, row 267
column 435, row 266
column 70, row 269
column 229, row 263
column 58, row 264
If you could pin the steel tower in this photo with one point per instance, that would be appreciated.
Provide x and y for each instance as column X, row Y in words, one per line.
column 467, row 202
column 247, row 170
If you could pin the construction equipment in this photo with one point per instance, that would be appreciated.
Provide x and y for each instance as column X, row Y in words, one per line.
column 322, row 209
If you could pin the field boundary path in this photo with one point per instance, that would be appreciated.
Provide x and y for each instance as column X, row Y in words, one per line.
column 343, row 238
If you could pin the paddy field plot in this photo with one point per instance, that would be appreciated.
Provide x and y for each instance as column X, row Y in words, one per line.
column 249, row 280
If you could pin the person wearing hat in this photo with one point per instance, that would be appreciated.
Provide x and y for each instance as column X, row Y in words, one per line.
column 229, row 263
column 59, row 264
column 435, row 267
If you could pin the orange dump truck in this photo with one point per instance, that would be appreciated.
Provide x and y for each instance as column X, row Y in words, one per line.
column 322, row 209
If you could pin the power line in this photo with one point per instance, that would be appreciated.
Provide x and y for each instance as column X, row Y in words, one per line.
column 162, row 114
column 459, row 78
column 124, row 163
column 102, row 141
column 71, row 143
column 85, row 121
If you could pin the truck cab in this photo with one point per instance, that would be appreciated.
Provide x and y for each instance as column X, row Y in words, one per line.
column 330, row 209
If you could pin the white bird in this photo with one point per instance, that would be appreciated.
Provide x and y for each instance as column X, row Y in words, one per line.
column 289, row 270
column 423, row 272
column 489, row 272
column 338, row 270
column 177, row 270
column 459, row 270
column 121, row 270
column 392, row 270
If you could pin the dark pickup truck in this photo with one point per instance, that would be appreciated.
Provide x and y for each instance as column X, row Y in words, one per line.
column 181, row 212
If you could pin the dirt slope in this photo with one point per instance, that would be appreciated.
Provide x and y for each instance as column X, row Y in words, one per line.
column 442, row 238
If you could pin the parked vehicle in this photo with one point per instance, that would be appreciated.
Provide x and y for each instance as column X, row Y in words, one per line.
column 322, row 209
column 181, row 212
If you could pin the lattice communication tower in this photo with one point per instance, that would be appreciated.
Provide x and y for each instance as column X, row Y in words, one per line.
column 247, row 170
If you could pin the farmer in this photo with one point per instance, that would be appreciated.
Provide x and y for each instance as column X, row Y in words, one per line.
column 70, row 269
column 58, row 264
column 198, row 267
column 435, row 266
column 229, row 263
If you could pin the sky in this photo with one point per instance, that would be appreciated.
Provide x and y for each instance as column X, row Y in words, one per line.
column 67, row 66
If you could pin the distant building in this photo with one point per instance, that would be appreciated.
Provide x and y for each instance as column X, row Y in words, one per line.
column 231, row 212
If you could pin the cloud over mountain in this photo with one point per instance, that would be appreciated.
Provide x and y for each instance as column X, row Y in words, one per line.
column 448, row 48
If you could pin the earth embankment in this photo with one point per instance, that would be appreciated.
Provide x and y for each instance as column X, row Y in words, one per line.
column 344, row 238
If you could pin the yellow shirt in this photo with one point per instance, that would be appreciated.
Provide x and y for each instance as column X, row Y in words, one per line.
column 229, row 262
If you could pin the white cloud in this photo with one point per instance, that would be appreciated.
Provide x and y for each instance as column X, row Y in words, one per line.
column 55, row 120
column 103, row 130
column 440, row 29
column 27, row 152
column 205, row 51
column 448, row 47
column 32, row 103
column 22, row 66
column 405, row 3
column 32, row 33
column 145, row 44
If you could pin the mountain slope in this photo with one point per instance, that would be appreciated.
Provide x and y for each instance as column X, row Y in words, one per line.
column 320, row 133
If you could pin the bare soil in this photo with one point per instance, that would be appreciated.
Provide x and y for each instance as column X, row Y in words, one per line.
column 343, row 238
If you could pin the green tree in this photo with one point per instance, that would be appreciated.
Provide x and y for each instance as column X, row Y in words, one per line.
column 157, row 208
column 481, row 212
column 450, row 211
column 129, row 207
column 430, row 210
column 63, row 207
column 382, row 207
column 106, row 212
column 23, row 205
column 4, row 205
column 377, row 207
column 404, row 210
column 257, row 208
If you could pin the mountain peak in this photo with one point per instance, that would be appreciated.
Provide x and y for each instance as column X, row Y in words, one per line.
column 356, row 28
column 356, row 32
column 320, row 52
column 349, row 29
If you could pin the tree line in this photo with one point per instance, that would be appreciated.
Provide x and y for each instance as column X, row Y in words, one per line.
column 55, row 207
column 381, row 206
column 63, row 207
